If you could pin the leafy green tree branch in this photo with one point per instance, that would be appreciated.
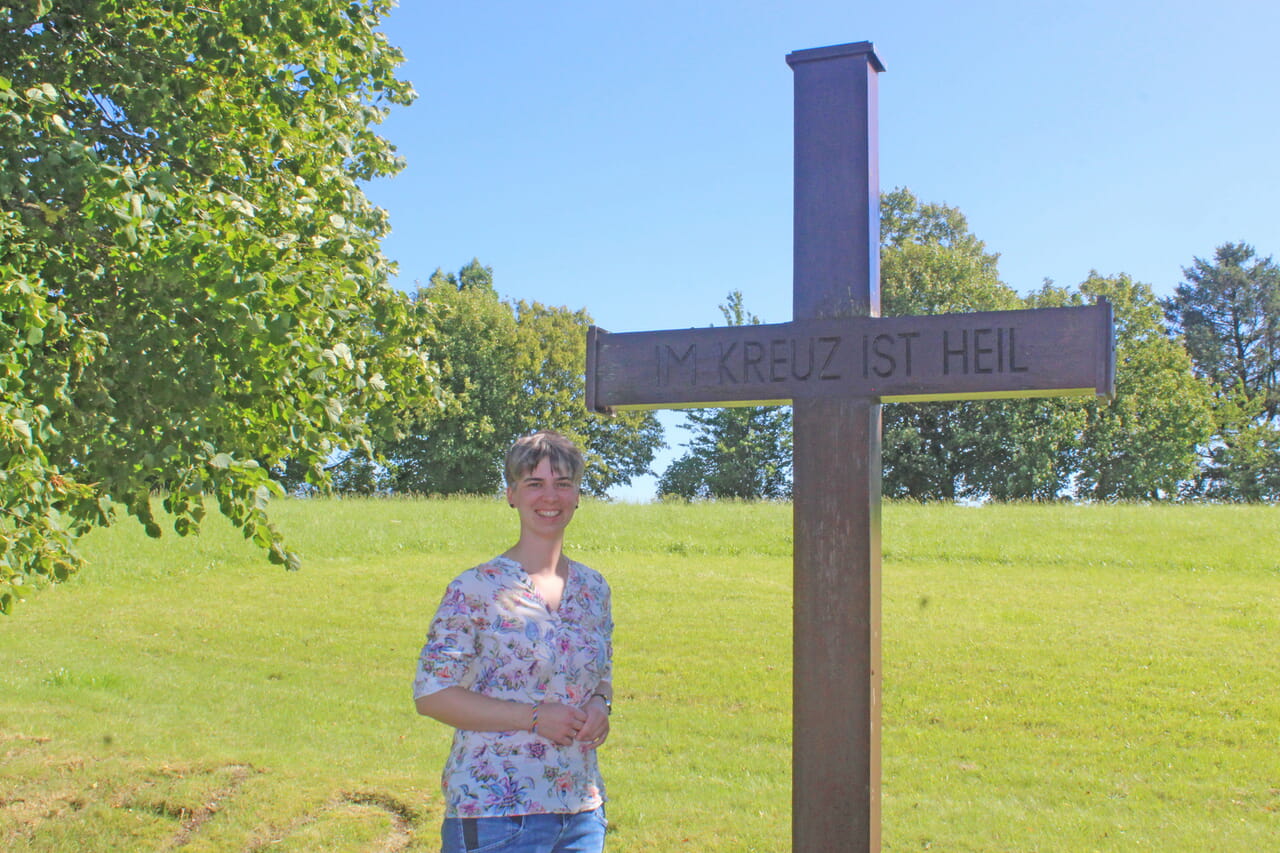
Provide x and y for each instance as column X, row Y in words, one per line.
column 192, row 284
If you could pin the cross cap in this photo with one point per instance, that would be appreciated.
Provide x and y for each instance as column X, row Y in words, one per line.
column 836, row 51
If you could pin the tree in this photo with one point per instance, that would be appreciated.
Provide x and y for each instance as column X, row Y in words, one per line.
column 1143, row 444
column 734, row 452
column 459, row 451
column 742, row 453
column 191, row 287
column 511, row 368
column 1242, row 462
column 931, row 264
column 1021, row 449
column 551, row 351
column 1228, row 313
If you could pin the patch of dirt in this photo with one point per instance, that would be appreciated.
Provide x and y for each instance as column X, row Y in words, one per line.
column 404, row 818
column 190, row 817
column 53, row 786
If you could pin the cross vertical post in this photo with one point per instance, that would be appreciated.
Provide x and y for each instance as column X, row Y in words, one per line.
column 836, row 655
column 837, row 361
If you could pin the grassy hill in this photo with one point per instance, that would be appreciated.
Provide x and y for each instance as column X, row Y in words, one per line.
column 1057, row 678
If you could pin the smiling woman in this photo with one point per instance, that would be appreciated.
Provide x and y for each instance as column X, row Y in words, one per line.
column 518, row 660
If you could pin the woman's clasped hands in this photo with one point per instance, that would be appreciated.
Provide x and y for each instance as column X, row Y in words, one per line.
column 563, row 724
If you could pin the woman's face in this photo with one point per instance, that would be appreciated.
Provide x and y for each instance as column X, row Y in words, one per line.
column 544, row 498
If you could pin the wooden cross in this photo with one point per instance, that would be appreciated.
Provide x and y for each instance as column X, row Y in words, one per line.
column 837, row 361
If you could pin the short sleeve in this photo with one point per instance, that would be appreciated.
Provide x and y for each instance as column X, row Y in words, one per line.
column 451, row 643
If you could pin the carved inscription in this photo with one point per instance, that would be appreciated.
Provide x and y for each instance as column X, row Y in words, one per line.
column 981, row 351
column 827, row 358
column 1061, row 351
column 883, row 355
column 685, row 363
column 739, row 362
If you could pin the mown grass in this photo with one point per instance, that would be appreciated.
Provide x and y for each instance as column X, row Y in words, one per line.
column 1057, row 678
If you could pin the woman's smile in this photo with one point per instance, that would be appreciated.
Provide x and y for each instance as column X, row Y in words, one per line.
column 545, row 494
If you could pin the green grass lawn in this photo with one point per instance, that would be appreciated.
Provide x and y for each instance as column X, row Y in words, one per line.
column 1056, row 678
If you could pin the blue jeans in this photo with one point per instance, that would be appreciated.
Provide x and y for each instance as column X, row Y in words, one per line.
column 531, row 833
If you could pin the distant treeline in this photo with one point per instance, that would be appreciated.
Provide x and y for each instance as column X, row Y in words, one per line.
column 1194, row 416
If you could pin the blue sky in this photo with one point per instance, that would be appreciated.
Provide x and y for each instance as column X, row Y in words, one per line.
column 635, row 158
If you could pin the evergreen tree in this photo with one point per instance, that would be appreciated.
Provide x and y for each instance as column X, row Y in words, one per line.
column 1228, row 313
column 742, row 452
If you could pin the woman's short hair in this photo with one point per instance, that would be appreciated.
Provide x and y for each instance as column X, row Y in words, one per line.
column 529, row 451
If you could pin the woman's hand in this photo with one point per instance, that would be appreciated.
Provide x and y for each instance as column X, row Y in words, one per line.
column 560, row 724
column 595, row 730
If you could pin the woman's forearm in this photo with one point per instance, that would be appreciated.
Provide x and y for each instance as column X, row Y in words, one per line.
column 464, row 709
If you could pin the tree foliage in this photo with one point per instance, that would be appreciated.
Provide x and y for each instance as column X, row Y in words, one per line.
column 192, row 287
column 1143, row 444
column 551, row 355
column 1242, row 462
column 930, row 263
column 511, row 368
column 1228, row 312
column 742, row 452
column 454, row 452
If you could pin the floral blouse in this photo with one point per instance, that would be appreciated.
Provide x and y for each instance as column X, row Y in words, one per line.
column 494, row 634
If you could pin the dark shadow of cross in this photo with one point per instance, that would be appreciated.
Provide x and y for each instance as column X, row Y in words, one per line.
column 837, row 361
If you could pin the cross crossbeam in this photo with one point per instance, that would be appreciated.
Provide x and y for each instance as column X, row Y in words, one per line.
column 1035, row 353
